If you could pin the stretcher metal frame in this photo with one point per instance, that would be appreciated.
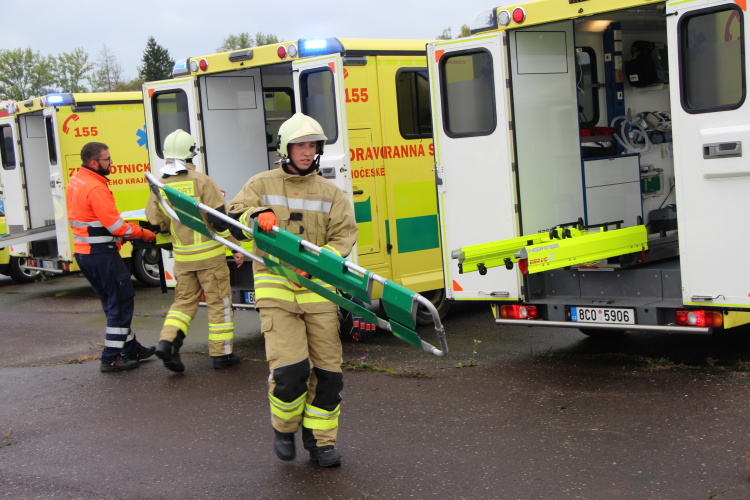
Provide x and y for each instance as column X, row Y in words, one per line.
column 400, row 303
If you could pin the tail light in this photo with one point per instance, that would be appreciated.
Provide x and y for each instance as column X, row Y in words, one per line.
column 519, row 15
column 699, row 318
column 517, row 311
column 65, row 266
column 31, row 262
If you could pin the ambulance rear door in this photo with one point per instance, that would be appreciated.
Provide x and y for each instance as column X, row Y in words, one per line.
column 170, row 105
column 319, row 93
column 473, row 159
column 711, row 138
column 57, row 181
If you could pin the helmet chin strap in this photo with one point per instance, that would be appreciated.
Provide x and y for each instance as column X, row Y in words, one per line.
column 313, row 166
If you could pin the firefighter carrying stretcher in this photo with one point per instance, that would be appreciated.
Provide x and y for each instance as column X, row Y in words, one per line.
column 301, row 328
column 200, row 262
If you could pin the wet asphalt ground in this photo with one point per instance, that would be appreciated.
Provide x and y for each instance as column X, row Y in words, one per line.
column 511, row 413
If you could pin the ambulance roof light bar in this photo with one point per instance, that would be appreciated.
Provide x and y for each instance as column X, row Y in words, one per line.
column 319, row 46
column 59, row 99
column 180, row 68
column 485, row 20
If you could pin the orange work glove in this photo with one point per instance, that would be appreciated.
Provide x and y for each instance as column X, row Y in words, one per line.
column 302, row 273
column 267, row 220
column 147, row 235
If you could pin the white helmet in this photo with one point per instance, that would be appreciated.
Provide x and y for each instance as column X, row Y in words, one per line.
column 300, row 128
column 179, row 145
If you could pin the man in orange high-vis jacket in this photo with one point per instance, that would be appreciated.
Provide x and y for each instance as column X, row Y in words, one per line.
column 98, row 233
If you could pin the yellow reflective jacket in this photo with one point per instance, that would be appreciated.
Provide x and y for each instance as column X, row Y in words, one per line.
column 192, row 251
column 309, row 206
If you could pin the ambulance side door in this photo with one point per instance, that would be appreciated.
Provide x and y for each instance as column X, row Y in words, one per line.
column 170, row 105
column 11, row 177
column 319, row 93
column 711, row 137
column 57, row 183
column 473, row 159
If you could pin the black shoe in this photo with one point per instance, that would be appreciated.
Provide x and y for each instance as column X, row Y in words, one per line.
column 226, row 361
column 326, row 456
column 144, row 353
column 169, row 353
column 120, row 364
column 283, row 445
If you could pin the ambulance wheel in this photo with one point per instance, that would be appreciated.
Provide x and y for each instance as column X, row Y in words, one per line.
column 146, row 266
column 20, row 275
column 439, row 300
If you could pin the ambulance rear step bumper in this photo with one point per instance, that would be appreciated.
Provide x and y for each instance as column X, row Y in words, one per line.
column 29, row 235
column 604, row 326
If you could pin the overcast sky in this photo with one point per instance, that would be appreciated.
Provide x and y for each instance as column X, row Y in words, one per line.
column 189, row 28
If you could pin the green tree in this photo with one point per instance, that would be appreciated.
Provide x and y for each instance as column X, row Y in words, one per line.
column 25, row 73
column 445, row 35
column 244, row 40
column 134, row 84
column 465, row 31
column 107, row 73
column 157, row 65
column 72, row 69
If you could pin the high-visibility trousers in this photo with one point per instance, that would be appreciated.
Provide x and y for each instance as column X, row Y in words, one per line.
column 110, row 279
column 305, row 382
column 214, row 282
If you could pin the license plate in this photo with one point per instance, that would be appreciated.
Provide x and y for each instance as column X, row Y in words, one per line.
column 249, row 297
column 602, row 315
column 48, row 264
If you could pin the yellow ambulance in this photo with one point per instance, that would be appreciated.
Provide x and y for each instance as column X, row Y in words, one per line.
column 372, row 99
column 40, row 150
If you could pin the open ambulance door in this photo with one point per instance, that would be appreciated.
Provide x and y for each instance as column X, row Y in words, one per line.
column 711, row 133
column 473, row 159
column 169, row 105
column 319, row 93
column 58, row 176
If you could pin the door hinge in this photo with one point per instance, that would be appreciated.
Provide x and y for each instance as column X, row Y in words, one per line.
column 507, row 83
column 510, row 125
column 516, row 208
column 514, row 167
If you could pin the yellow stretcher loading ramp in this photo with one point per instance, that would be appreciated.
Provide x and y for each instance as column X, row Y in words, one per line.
column 400, row 303
column 563, row 246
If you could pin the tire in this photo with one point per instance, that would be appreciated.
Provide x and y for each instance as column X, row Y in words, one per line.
column 20, row 275
column 439, row 300
column 145, row 266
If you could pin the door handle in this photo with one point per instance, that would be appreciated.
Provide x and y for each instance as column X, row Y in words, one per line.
column 719, row 150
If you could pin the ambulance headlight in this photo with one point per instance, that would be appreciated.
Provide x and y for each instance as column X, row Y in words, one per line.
column 484, row 21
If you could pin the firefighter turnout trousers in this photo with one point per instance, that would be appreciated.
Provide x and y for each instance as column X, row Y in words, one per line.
column 110, row 279
column 305, row 381
column 214, row 281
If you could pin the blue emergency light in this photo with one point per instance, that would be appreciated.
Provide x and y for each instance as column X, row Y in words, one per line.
column 59, row 99
column 319, row 46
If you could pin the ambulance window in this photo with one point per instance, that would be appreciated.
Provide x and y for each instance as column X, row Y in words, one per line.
column 413, row 102
column 712, row 60
column 468, row 94
column 319, row 100
column 279, row 106
column 170, row 111
column 586, row 83
column 51, row 149
column 7, row 148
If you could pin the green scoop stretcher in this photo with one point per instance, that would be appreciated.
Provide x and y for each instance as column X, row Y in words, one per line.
column 400, row 303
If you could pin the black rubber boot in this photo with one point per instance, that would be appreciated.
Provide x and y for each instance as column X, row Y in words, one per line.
column 169, row 353
column 326, row 456
column 226, row 361
column 283, row 445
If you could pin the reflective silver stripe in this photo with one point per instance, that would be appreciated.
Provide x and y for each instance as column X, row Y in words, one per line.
column 119, row 344
column 297, row 203
column 117, row 225
column 227, row 311
column 97, row 239
column 93, row 223
column 116, row 330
